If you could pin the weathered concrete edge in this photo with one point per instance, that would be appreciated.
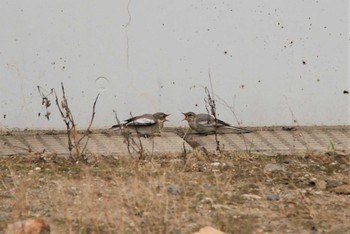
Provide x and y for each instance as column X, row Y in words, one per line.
column 179, row 131
column 4, row 131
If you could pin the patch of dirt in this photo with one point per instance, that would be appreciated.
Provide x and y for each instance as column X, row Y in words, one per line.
column 232, row 192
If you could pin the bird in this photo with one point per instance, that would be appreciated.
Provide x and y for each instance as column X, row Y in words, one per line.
column 145, row 125
column 207, row 124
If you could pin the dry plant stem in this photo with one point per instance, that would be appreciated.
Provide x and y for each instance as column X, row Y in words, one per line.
column 212, row 104
column 68, row 120
column 116, row 117
column 130, row 141
column 140, row 146
column 184, row 146
column 87, row 131
column 124, row 134
column 45, row 101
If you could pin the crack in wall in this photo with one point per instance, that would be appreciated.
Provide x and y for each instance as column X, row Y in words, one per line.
column 126, row 32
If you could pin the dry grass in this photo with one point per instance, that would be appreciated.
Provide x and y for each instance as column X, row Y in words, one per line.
column 123, row 195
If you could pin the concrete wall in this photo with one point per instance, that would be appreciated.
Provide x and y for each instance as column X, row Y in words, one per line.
column 272, row 62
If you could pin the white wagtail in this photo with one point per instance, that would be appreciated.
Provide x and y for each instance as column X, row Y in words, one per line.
column 207, row 124
column 145, row 125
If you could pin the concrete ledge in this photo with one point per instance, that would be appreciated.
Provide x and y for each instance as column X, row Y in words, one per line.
column 284, row 140
column 268, row 140
column 105, row 143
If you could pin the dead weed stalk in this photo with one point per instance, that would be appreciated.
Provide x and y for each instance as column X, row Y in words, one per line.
column 74, row 146
column 210, row 106
column 131, row 144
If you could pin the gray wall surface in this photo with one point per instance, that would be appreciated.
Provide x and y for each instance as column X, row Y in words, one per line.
column 271, row 62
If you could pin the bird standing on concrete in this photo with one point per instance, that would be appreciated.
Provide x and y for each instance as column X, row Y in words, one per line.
column 207, row 124
column 145, row 125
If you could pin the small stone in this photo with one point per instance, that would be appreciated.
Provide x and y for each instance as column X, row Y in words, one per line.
column 332, row 183
column 209, row 230
column 346, row 180
column 259, row 230
column 29, row 226
column 343, row 189
column 37, row 168
column 321, row 184
column 174, row 189
column 216, row 164
column 273, row 197
column 251, row 196
column 273, row 167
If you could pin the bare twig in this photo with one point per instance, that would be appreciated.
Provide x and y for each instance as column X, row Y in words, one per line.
column 140, row 146
column 45, row 101
column 87, row 131
column 129, row 140
column 184, row 146
column 221, row 101
column 68, row 119
column 211, row 102
column 117, row 119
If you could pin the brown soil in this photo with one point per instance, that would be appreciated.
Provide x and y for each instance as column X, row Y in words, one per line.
column 233, row 192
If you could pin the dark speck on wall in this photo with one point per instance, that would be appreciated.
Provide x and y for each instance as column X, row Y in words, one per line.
column 304, row 62
column 345, row 92
column 196, row 105
column 242, row 86
column 225, row 52
column 173, row 82
column 4, row 116
column 39, row 114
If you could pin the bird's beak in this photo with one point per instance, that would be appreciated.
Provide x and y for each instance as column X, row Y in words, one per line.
column 185, row 118
column 166, row 115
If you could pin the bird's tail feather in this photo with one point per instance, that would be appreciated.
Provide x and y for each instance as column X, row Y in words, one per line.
column 118, row 126
column 240, row 130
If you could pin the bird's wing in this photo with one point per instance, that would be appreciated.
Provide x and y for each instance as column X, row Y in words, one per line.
column 143, row 120
column 204, row 120
column 220, row 122
column 117, row 126
column 209, row 120
column 239, row 130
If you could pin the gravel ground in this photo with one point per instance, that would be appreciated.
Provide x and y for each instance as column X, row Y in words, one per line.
column 232, row 192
